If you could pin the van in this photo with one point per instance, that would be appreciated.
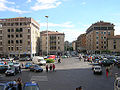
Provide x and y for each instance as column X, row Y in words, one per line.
column 38, row 60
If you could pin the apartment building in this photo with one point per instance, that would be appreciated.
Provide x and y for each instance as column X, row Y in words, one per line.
column 97, row 35
column 55, row 43
column 20, row 37
column 114, row 43
column 81, row 43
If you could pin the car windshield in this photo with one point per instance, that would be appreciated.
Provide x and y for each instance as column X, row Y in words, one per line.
column 31, row 88
column 97, row 68
column 1, row 87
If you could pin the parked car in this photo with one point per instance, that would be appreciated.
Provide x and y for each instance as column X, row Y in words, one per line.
column 117, row 84
column 107, row 62
column 8, row 85
column 3, row 68
column 36, row 68
column 97, row 69
column 28, row 65
column 31, row 86
column 12, row 71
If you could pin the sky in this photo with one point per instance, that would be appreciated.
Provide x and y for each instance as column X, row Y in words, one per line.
column 71, row 17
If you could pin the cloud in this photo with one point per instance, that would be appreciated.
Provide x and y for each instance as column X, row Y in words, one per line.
column 28, row 1
column 65, row 25
column 83, row 3
column 72, row 34
column 45, row 4
column 4, row 7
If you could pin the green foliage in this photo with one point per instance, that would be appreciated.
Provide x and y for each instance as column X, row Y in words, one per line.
column 50, row 60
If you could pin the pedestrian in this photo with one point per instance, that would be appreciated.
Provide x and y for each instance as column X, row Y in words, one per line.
column 19, row 82
column 50, row 67
column 53, row 67
column 22, row 65
column 107, row 71
column 19, row 69
column 46, row 68
column 79, row 88
column 59, row 60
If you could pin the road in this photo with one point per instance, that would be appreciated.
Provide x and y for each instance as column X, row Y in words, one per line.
column 69, row 75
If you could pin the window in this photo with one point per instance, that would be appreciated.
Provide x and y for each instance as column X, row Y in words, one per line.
column 101, row 37
column 28, row 30
column 1, row 48
column 97, row 47
column 9, row 48
column 8, row 41
column 104, row 32
column 104, row 42
column 0, row 43
column 21, row 29
column 17, row 30
column 58, row 38
column 0, row 37
column 104, row 47
column 104, row 37
column 12, row 30
column 17, row 35
column 17, row 48
column 12, row 41
column 114, row 41
column 8, row 30
column 20, row 41
column 97, row 37
column 110, row 28
column 97, row 42
column 108, row 33
column 17, row 41
column 114, row 46
column 21, row 35
column 97, row 32
column 12, row 36
column 58, row 42
column 8, row 36
column 12, row 48
column 101, row 32
column 28, row 36
column 28, row 42
column 0, row 31
column 101, row 46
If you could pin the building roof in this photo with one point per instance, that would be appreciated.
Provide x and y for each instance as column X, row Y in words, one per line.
column 102, row 23
column 115, row 37
column 51, row 33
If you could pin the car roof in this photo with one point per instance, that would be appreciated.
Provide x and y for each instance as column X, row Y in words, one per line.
column 97, row 66
column 30, row 84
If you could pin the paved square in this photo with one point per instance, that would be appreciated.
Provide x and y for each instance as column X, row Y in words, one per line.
column 39, row 78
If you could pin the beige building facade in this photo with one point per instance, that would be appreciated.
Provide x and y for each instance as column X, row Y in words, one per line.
column 81, row 43
column 20, row 37
column 97, row 35
column 114, row 43
column 55, row 43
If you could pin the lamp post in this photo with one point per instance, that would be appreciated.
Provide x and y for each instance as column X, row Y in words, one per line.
column 47, row 34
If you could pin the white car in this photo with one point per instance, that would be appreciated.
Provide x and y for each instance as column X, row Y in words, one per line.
column 39, row 60
column 117, row 84
column 97, row 69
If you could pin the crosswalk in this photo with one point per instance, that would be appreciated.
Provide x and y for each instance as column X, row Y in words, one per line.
column 39, row 78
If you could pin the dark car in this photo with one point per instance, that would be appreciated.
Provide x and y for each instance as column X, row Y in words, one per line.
column 8, row 85
column 12, row 71
column 36, row 68
column 3, row 68
column 107, row 62
column 31, row 86
column 28, row 65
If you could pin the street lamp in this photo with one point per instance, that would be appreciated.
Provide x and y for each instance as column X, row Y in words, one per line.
column 47, row 34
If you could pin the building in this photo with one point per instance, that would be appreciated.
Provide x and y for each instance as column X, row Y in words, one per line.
column 81, row 43
column 19, row 37
column 55, row 43
column 97, row 35
column 114, row 43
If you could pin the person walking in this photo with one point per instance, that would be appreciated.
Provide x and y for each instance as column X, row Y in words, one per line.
column 46, row 68
column 53, row 67
column 107, row 71
column 19, row 82
column 59, row 60
column 50, row 67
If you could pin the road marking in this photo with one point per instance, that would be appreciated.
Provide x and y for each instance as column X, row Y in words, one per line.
column 39, row 78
